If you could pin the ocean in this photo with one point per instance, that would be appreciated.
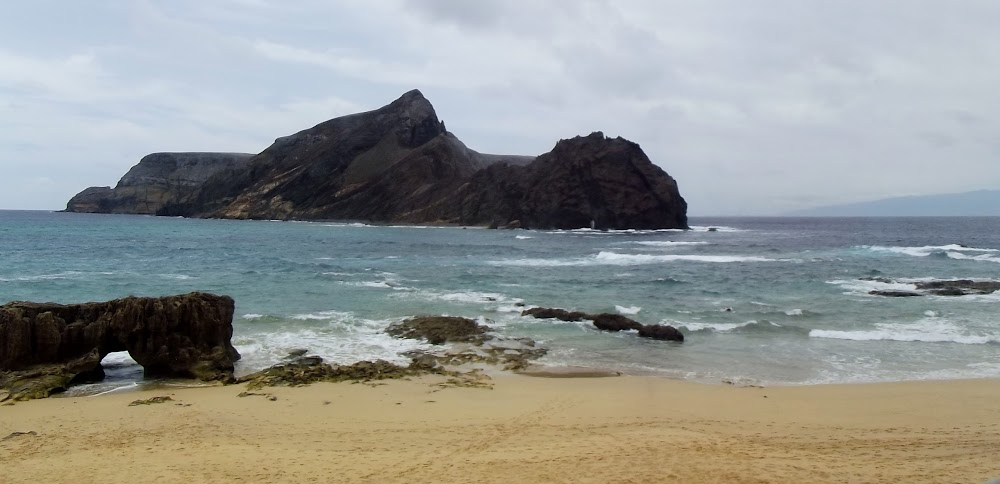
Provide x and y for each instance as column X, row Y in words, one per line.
column 766, row 301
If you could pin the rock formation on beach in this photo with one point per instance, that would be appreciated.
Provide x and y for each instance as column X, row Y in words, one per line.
column 439, row 329
column 956, row 287
column 478, row 345
column 158, row 180
column 609, row 322
column 399, row 164
column 44, row 347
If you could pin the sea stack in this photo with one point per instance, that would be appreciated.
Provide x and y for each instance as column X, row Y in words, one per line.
column 398, row 164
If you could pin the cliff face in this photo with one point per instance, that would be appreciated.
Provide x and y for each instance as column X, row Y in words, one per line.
column 399, row 164
column 158, row 179
column 586, row 180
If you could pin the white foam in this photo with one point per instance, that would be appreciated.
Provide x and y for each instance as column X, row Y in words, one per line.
column 179, row 277
column 982, row 257
column 464, row 297
column 322, row 316
column 716, row 327
column 45, row 277
column 618, row 259
column 927, row 330
column 252, row 316
column 668, row 243
column 355, row 224
column 870, row 372
column 374, row 284
column 927, row 250
column 794, row 312
column 614, row 258
column 611, row 232
column 118, row 358
column 864, row 287
column 347, row 339
column 718, row 228
column 523, row 237
column 509, row 309
column 627, row 309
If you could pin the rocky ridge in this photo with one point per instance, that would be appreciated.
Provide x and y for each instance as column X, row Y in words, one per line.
column 399, row 164
column 158, row 180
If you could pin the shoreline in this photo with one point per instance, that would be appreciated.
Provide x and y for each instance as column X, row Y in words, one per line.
column 517, row 429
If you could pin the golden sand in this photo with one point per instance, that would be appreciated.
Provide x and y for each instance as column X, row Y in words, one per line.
column 617, row 429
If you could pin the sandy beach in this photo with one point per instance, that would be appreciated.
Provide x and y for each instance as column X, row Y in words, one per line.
column 624, row 429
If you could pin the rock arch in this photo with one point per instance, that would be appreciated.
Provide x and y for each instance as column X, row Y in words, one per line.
column 45, row 347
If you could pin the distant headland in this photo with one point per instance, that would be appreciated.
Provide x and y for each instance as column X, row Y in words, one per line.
column 398, row 164
column 978, row 203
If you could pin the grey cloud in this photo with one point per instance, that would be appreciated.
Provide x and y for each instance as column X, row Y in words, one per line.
column 755, row 107
column 463, row 13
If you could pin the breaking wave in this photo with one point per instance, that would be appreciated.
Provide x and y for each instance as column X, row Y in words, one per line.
column 951, row 251
column 746, row 327
column 927, row 330
column 617, row 259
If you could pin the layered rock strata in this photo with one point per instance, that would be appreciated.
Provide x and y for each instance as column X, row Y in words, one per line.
column 160, row 179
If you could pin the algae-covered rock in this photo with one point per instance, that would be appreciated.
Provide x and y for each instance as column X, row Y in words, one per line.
column 299, row 374
column 439, row 329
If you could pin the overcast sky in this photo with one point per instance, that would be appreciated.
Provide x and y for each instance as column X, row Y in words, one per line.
column 755, row 107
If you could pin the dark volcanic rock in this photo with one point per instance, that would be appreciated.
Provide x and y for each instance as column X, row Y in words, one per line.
column 884, row 280
column 158, row 180
column 587, row 181
column 439, row 329
column 614, row 322
column 959, row 287
column 555, row 313
column 609, row 322
column 44, row 347
column 895, row 293
column 661, row 332
column 399, row 164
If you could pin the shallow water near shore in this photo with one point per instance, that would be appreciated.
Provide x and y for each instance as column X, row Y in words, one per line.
column 760, row 300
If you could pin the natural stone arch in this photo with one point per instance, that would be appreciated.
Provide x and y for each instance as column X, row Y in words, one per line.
column 45, row 347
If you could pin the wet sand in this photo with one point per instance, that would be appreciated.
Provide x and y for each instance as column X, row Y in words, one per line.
column 616, row 429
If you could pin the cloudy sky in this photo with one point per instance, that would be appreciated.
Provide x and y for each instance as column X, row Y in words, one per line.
column 755, row 107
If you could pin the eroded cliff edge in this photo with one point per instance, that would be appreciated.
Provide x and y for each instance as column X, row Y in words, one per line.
column 158, row 180
column 398, row 164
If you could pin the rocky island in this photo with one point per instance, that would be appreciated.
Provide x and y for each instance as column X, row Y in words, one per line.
column 398, row 164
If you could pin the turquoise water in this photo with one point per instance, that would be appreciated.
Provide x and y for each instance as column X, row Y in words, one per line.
column 798, row 313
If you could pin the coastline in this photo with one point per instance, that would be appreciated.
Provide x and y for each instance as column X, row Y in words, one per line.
column 521, row 429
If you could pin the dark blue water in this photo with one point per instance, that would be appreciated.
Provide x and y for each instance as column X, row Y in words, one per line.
column 770, row 300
